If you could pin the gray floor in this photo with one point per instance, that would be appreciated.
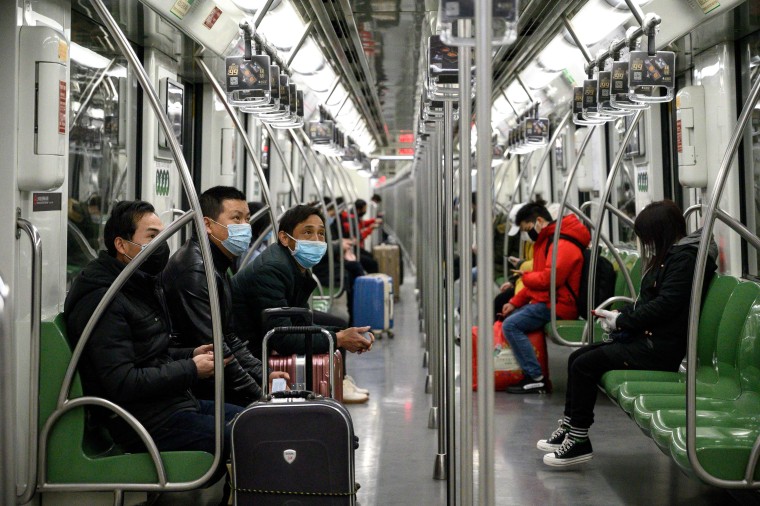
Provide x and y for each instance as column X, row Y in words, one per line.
column 396, row 456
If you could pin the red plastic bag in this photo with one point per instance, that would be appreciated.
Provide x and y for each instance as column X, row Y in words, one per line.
column 506, row 370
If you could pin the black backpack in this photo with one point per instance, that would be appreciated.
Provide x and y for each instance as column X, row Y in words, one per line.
column 605, row 278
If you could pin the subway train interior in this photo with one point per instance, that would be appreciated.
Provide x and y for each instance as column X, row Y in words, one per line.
column 446, row 118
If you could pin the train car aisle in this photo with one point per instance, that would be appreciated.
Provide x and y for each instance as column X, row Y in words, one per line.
column 394, row 462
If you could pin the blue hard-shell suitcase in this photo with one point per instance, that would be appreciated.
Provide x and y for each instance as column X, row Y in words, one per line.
column 373, row 302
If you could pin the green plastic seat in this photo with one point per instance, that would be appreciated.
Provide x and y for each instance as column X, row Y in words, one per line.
column 644, row 382
column 722, row 451
column 569, row 330
column 67, row 458
column 717, row 374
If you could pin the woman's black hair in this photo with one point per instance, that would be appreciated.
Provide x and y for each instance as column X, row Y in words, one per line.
column 659, row 226
column 123, row 222
column 296, row 215
column 533, row 210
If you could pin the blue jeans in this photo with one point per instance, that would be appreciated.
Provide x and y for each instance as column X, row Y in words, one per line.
column 525, row 319
column 194, row 430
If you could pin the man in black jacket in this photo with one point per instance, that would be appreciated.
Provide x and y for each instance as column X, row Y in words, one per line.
column 127, row 359
column 225, row 214
column 280, row 277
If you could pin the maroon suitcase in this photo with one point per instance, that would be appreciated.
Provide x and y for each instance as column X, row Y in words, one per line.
column 294, row 366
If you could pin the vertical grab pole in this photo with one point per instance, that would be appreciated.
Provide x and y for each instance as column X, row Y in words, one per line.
column 8, row 417
column 433, row 323
column 484, row 239
column 465, row 261
column 600, row 218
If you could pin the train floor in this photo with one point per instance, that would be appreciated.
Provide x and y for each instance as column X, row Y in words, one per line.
column 395, row 461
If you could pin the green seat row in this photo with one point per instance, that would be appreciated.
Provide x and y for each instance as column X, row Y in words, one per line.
column 572, row 330
column 728, row 386
column 69, row 456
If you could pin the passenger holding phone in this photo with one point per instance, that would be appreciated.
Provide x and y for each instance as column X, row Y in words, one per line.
column 648, row 335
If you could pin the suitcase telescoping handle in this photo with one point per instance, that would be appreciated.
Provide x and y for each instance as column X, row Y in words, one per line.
column 308, row 331
column 289, row 312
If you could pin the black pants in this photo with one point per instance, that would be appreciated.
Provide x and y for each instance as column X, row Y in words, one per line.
column 368, row 262
column 587, row 365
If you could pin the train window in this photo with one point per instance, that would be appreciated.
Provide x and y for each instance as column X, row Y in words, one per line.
column 750, row 68
column 101, row 104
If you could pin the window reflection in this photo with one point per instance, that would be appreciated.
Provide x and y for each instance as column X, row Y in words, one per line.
column 97, row 144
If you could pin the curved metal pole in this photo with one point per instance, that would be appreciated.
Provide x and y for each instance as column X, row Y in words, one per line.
column 339, row 228
column 710, row 215
column 285, row 163
column 484, row 240
column 331, row 190
column 549, row 149
column 208, row 264
column 563, row 204
column 691, row 210
column 613, row 251
column 614, row 167
column 620, row 214
column 35, row 315
column 465, row 454
column 125, row 415
column 321, row 196
column 232, row 113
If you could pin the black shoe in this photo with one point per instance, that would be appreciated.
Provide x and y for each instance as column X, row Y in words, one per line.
column 573, row 451
column 528, row 386
column 554, row 441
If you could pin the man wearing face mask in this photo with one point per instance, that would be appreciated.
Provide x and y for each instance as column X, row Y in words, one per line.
column 225, row 214
column 128, row 359
column 529, row 309
column 281, row 277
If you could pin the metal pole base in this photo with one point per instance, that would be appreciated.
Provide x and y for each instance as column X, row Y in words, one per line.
column 424, row 359
column 429, row 384
column 433, row 418
column 440, row 469
column 423, row 340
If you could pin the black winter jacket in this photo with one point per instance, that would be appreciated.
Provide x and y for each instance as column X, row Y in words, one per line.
column 128, row 359
column 660, row 316
column 273, row 280
column 184, row 282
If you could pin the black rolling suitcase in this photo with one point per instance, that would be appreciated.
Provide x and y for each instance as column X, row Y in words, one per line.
column 294, row 447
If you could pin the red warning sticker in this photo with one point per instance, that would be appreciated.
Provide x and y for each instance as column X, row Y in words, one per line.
column 679, row 136
column 62, row 107
column 212, row 17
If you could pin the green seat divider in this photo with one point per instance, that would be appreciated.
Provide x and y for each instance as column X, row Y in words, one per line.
column 570, row 330
column 67, row 459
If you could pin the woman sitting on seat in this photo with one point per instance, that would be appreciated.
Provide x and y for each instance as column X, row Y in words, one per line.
column 651, row 334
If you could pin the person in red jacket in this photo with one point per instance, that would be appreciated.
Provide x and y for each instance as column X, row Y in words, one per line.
column 529, row 309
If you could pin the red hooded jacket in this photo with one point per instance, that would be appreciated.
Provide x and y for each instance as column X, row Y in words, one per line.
column 569, row 266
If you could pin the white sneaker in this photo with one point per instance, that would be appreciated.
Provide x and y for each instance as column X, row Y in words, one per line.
column 349, row 379
column 351, row 396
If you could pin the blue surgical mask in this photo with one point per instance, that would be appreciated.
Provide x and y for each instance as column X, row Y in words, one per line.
column 308, row 253
column 238, row 237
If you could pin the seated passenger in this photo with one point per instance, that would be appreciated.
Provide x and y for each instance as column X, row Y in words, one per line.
column 225, row 213
column 529, row 309
column 351, row 266
column 280, row 277
column 367, row 261
column 127, row 359
column 649, row 335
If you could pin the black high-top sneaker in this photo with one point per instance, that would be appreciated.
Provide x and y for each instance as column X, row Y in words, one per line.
column 555, row 440
column 572, row 452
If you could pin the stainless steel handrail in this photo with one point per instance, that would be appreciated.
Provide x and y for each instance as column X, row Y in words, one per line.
column 483, row 68
column 620, row 214
column 285, row 163
column 122, row 413
column 710, row 214
column 320, row 194
column 614, row 167
column 466, row 492
column 81, row 241
column 563, row 204
column 233, row 114
column 7, row 394
column 539, row 169
column 691, row 210
column 331, row 189
column 187, row 183
column 35, row 315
